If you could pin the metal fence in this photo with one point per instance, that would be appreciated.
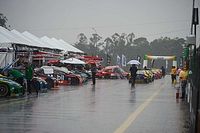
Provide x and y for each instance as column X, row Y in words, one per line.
column 195, row 93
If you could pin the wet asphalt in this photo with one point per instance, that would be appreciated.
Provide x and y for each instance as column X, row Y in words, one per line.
column 111, row 106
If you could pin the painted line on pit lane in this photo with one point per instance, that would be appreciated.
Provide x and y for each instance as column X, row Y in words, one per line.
column 132, row 117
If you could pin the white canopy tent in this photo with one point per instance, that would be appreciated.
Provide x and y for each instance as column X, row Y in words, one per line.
column 74, row 49
column 26, row 40
column 64, row 46
column 67, row 48
column 38, row 40
column 5, row 42
column 4, row 39
column 29, row 42
column 7, row 37
column 49, row 41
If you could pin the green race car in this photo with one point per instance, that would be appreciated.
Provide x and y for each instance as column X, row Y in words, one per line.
column 10, row 88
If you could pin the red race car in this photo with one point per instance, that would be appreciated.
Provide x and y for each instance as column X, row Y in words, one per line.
column 112, row 72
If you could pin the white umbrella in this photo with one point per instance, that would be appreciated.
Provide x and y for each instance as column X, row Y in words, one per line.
column 136, row 62
column 73, row 61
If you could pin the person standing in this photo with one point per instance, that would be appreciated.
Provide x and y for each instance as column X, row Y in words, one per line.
column 29, row 76
column 93, row 70
column 163, row 71
column 133, row 69
column 173, row 74
column 183, row 76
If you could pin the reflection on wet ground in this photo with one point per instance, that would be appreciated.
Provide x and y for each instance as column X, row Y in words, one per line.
column 101, row 109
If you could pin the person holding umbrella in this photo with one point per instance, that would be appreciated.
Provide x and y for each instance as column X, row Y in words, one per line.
column 133, row 69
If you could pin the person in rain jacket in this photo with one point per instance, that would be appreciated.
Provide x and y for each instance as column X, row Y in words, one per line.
column 173, row 74
column 133, row 69
column 183, row 75
column 29, row 76
column 163, row 71
column 93, row 70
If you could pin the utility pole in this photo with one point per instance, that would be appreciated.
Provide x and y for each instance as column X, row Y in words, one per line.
column 192, row 17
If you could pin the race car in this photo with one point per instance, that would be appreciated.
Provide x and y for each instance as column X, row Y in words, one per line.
column 10, row 88
column 112, row 72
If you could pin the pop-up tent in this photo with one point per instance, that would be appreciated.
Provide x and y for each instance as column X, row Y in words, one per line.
column 69, row 46
column 66, row 47
column 39, row 41
column 7, row 40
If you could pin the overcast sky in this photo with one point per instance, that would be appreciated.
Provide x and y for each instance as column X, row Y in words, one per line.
column 65, row 19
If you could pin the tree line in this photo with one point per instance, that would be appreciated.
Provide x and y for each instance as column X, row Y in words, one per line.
column 129, row 46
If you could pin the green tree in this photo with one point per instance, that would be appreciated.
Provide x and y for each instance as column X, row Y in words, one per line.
column 3, row 21
column 118, row 46
column 95, row 39
column 82, row 38
column 115, row 37
column 167, row 46
column 130, row 38
column 82, row 43
column 108, row 45
column 95, row 44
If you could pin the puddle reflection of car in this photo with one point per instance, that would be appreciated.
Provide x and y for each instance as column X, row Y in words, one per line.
column 10, row 88
column 112, row 72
